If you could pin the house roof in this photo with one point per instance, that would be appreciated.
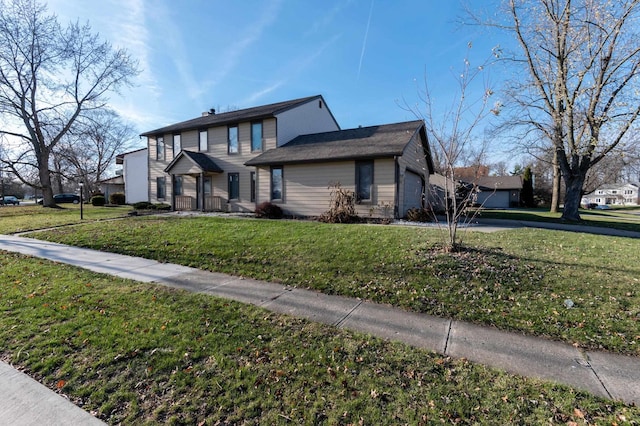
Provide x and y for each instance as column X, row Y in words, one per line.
column 382, row 141
column 116, row 180
column 213, row 119
column 203, row 161
column 499, row 182
column 120, row 157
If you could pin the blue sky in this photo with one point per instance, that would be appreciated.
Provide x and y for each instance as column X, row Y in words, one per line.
column 364, row 56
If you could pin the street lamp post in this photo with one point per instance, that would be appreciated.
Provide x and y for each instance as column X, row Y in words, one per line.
column 81, row 200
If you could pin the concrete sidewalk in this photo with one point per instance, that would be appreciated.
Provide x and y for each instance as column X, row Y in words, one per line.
column 603, row 374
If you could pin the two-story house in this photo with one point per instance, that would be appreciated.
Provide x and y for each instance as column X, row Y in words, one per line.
column 288, row 153
column 623, row 194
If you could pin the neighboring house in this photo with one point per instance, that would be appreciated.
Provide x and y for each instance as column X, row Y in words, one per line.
column 111, row 186
column 135, row 174
column 622, row 194
column 288, row 153
column 494, row 192
column 499, row 191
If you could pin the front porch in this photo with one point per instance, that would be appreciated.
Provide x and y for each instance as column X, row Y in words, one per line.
column 192, row 183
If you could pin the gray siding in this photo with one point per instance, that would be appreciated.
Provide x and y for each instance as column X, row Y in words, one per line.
column 307, row 189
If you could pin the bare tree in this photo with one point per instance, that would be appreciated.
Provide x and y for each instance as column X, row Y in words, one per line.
column 87, row 151
column 49, row 76
column 454, row 138
column 583, row 63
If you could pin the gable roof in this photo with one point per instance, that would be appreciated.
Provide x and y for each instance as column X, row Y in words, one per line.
column 499, row 182
column 213, row 119
column 362, row 143
column 203, row 161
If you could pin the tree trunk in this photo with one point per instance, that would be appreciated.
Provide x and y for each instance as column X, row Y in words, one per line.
column 45, row 181
column 573, row 196
column 555, row 189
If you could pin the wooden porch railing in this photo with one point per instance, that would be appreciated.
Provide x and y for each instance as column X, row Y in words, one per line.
column 185, row 202
column 214, row 204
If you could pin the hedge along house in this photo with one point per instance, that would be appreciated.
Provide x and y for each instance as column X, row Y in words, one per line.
column 288, row 153
column 386, row 166
column 199, row 164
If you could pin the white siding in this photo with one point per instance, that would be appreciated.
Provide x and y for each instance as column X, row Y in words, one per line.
column 305, row 119
column 135, row 171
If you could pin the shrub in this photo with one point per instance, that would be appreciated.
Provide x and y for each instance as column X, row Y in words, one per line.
column 269, row 210
column 161, row 206
column 117, row 198
column 342, row 207
column 142, row 205
column 419, row 215
column 98, row 200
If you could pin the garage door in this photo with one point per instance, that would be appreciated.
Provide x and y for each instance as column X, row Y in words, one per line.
column 494, row 200
column 413, row 188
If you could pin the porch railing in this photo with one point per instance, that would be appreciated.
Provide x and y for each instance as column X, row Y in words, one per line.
column 185, row 202
column 214, row 204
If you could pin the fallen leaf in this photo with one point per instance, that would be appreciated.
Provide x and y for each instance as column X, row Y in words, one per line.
column 60, row 384
column 578, row 413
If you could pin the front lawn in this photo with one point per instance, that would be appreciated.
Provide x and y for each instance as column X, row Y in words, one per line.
column 142, row 354
column 624, row 218
column 516, row 280
column 27, row 218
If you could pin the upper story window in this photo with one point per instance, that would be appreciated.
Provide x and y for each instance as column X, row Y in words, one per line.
column 203, row 141
column 232, row 140
column 364, row 180
column 600, row 192
column 614, row 192
column 160, row 148
column 177, row 144
column 256, row 136
column 628, row 191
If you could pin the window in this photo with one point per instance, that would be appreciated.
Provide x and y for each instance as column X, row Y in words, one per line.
column 364, row 180
column 600, row 192
column 256, row 136
column 628, row 191
column 232, row 147
column 160, row 150
column 177, row 145
column 207, row 185
column 160, row 187
column 203, row 143
column 276, row 183
column 252, row 177
column 234, row 186
column 614, row 192
column 177, row 185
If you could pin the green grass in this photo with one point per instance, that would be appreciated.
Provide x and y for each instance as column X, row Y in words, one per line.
column 141, row 354
column 624, row 218
column 514, row 280
column 27, row 218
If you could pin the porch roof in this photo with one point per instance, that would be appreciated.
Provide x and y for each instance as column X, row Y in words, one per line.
column 200, row 160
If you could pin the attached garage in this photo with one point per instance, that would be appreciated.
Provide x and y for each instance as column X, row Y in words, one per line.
column 413, row 192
